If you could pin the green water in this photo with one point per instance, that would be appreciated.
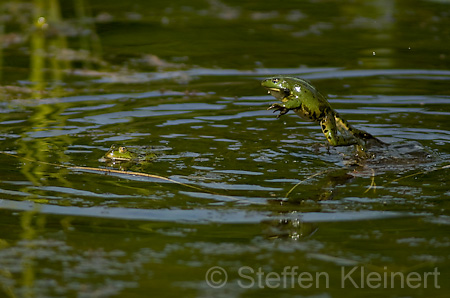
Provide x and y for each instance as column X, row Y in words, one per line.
column 254, row 206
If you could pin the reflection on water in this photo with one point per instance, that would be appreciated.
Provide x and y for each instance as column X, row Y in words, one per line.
column 36, row 255
column 41, row 28
column 232, row 185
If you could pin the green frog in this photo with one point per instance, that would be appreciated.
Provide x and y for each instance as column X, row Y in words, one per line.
column 303, row 98
column 123, row 154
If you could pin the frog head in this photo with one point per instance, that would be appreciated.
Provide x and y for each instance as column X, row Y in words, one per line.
column 119, row 154
column 278, row 87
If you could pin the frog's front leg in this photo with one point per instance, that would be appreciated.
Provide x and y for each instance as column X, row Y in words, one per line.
column 329, row 129
column 278, row 107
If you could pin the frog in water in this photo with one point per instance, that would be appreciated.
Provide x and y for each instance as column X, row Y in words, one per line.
column 303, row 98
column 123, row 154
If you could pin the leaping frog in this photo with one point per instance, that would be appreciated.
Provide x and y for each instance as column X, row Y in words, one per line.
column 303, row 98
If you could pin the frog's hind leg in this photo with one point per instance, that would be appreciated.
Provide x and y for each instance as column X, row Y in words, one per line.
column 343, row 125
column 359, row 134
column 330, row 130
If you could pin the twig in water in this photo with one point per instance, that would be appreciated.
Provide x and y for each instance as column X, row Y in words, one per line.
column 309, row 177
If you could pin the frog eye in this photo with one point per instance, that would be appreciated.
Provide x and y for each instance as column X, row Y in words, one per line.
column 123, row 149
column 275, row 81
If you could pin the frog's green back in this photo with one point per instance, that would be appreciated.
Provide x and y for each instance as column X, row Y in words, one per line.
column 308, row 94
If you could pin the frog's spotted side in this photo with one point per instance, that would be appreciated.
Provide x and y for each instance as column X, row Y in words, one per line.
column 301, row 97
